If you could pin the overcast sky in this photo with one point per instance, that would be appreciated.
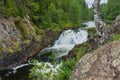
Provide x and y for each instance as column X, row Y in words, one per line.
column 90, row 2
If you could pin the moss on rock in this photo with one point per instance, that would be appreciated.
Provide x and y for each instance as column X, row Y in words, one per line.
column 23, row 29
column 92, row 32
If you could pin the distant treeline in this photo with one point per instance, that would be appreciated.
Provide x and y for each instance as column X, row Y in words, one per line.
column 108, row 11
column 47, row 13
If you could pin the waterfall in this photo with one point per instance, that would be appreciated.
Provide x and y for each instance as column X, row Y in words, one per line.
column 68, row 39
column 89, row 24
column 66, row 42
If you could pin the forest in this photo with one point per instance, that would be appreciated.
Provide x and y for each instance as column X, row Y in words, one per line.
column 47, row 13
column 51, row 13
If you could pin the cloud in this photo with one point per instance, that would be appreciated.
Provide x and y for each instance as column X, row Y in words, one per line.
column 90, row 2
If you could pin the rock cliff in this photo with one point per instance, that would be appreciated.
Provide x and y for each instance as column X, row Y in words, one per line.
column 12, row 33
column 102, row 64
column 19, row 42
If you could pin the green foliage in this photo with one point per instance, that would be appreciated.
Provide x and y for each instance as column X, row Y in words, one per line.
column 63, row 73
column 110, row 10
column 81, row 50
column 66, row 69
column 1, row 8
column 10, row 8
column 1, row 56
column 113, row 9
column 73, row 11
column 35, row 7
column 116, row 37
column 38, row 72
column 43, row 70
column 22, row 27
column 38, row 31
column 48, row 13
column 1, row 48
column 91, row 14
column 60, row 13
column 92, row 32
column 103, row 10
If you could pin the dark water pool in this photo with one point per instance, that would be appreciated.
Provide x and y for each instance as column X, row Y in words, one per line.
column 21, row 73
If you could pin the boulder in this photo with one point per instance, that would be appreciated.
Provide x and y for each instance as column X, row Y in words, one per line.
column 101, row 64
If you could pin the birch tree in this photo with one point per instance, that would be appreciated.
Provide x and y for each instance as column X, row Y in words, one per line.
column 98, row 22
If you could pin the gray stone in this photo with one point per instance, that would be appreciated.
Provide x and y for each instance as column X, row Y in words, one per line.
column 101, row 64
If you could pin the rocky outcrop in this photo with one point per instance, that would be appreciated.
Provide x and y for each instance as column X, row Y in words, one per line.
column 12, row 41
column 102, row 64
column 11, row 33
column 116, row 25
column 14, row 49
column 8, row 33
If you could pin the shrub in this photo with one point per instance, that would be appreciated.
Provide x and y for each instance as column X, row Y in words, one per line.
column 39, row 72
column 66, row 69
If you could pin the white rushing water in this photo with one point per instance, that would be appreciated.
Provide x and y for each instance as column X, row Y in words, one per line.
column 17, row 67
column 66, row 42
column 48, row 67
column 68, row 39
column 89, row 24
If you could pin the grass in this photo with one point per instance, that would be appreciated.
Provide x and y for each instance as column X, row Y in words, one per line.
column 116, row 37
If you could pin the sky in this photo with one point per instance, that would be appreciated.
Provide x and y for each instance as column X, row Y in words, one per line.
column 90, row 2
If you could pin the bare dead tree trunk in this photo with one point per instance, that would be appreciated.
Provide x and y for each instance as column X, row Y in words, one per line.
column 99, row 23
